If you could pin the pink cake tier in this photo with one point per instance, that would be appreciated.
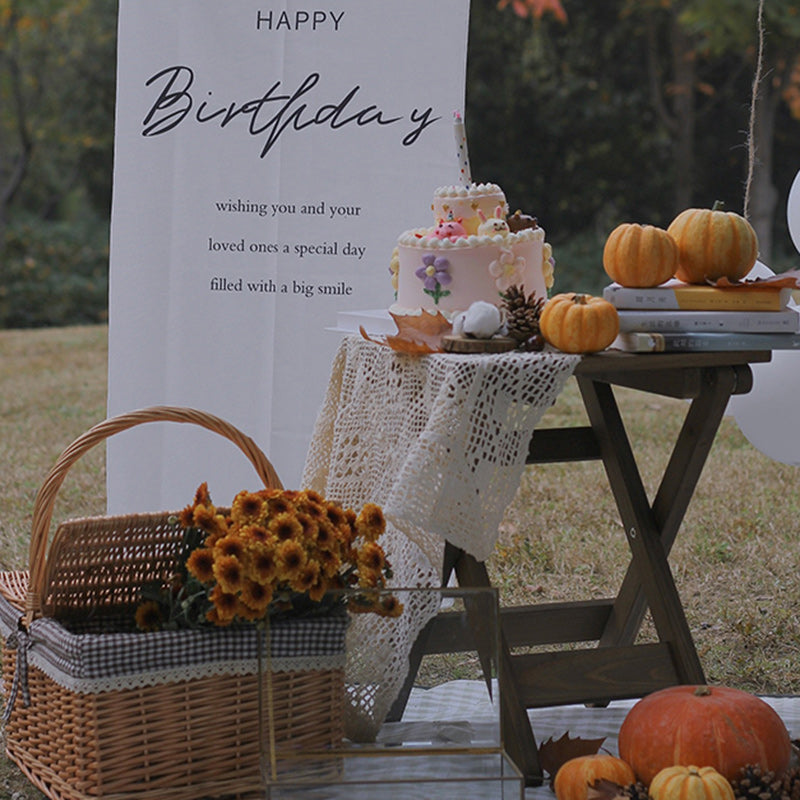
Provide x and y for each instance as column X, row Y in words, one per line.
column 463, row 203
column 448, row 275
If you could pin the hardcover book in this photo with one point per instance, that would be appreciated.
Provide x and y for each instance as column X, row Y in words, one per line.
column 638, row 342
column 786, row 321
column 675, row 295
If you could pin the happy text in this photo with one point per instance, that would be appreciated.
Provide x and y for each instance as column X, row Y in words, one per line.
column 298, row 21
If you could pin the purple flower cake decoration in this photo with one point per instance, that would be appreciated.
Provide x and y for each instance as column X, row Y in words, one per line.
column 435, row 274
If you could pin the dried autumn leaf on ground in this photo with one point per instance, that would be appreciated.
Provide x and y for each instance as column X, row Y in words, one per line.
column 555, row 752
column 416, row 334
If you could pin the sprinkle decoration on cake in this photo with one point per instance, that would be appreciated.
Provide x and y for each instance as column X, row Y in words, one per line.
column 472, row 252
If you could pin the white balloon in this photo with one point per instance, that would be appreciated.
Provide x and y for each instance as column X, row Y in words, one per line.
column 766, row 414
column 793, row 211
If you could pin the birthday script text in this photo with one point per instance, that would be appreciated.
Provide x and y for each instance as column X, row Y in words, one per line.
column 271, row 114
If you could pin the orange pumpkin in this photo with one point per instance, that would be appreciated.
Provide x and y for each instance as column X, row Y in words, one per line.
column 690, row 783
column 579, row 323
column 640, row 255
column 574, row 777
column 714, row 726
column 713, row 244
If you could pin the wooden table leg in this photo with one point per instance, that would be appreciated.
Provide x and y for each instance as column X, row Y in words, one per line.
column 518, row 738
column 652, row 574
column 674, row 493
column 420, row 646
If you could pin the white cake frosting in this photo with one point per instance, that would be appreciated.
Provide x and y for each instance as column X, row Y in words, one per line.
column 468, row 255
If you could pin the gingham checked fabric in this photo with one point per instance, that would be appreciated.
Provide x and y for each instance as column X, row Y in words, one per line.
column 92, row 662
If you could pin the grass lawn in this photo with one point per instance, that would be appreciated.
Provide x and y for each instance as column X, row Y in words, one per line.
column 736, row 561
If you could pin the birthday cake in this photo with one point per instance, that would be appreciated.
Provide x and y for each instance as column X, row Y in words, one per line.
column 473, row 251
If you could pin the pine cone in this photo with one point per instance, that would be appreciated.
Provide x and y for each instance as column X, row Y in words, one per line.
column 754, row 783
column 514, row 298
column 636, row 791
column 606, row 789
column 791, row 784
column 522, row 318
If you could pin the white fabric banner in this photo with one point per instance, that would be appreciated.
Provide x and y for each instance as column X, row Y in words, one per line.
column 267, row 156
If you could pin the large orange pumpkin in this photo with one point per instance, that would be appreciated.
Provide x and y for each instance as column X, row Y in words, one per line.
column 710, row 726
column 574, row 777
column 640, row 255
column 579, row 323
column 713, row 244
column 690, row 783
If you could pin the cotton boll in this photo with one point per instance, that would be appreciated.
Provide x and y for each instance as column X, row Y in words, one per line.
column 481, row 320
column 458, row 324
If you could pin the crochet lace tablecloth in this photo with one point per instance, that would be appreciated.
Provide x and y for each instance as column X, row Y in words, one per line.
column 440, row 442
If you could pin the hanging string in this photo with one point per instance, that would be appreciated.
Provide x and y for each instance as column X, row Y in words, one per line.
column 751, row 142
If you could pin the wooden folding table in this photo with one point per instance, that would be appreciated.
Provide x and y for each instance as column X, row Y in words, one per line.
column 617, row 668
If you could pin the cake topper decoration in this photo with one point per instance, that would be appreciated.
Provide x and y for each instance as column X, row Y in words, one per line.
column 493, row 226
column 465, row 174
column 451, row 229
column 520, row 222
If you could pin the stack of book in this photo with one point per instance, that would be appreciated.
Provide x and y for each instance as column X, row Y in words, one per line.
column 679, row 317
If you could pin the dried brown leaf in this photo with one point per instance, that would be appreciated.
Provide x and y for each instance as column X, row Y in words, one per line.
column 555, row 752
column 790, row 279
column 604, row 789
column 401, row 345
column 425, row 328
column 365, row 335
column 417, row 335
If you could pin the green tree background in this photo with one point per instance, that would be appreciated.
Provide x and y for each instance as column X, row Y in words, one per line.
column 57, row 91
column 628, row 110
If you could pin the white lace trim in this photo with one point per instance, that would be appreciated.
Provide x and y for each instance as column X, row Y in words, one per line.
column 176, row 675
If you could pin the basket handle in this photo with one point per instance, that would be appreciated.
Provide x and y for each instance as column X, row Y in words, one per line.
column 46, row 497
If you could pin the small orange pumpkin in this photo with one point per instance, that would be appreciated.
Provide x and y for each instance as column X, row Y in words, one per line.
column 640, row 255
column 579, row 323
column 713, row 244
column 690, row 783
column 574, row 777
column 715, row 726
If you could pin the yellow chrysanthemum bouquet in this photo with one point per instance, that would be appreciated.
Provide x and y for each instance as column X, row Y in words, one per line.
column 274, row 553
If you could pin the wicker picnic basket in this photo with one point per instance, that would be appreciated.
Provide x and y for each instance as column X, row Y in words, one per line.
column 148, row 716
